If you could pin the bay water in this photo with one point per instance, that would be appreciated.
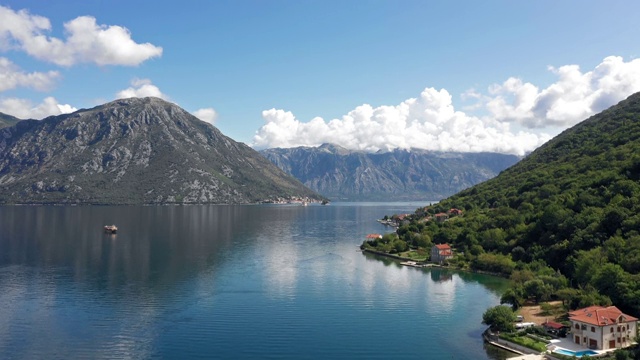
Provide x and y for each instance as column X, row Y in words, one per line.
column 227, row 282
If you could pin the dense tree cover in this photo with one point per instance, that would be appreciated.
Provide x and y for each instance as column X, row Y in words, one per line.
column 564, row 223
column 499, row 318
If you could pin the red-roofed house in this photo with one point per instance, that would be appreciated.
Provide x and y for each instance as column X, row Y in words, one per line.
column 599, row 327
column 552, row 325
column 454, row 211
column 441, row 252
column 374, row 236
column 441, row 217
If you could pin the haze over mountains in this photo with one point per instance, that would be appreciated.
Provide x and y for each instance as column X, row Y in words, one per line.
column 134, row 151
column 343, row 174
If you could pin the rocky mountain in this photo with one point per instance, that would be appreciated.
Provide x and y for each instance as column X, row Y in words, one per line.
column 134, row 151
column 343, row 174
column 7, row 120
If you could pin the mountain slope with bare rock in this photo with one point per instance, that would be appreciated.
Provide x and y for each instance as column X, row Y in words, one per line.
column 134, row 151
column 344, row 174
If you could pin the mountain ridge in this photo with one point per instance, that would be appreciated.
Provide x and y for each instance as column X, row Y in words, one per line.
column 7, row 120
column 339, row 173
column 134, row 151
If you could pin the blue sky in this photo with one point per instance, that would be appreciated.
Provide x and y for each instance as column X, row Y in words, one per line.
column 446, row 75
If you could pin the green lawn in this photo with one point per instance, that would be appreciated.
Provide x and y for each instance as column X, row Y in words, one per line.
column 415, row 255
column 525, row 341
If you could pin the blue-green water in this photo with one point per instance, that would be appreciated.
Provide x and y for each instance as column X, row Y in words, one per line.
column 226, row 282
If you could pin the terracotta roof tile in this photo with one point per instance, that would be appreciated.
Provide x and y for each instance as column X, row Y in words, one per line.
column 600, row 315
column 553, row 325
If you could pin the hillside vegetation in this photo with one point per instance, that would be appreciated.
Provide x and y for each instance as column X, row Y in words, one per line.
column 563, row 223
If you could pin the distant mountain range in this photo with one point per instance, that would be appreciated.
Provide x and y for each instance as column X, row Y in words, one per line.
column 133, row 151
column 342, row 174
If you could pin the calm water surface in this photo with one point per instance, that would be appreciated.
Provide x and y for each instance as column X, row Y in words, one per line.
column 226, row 282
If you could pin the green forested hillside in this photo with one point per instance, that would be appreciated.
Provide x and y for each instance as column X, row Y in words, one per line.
column 564, row 222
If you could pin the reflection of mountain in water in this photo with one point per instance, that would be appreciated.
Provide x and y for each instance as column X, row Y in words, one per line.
column 157, row 244
column 233, row 281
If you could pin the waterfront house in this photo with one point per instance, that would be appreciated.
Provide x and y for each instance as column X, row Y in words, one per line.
column 441, row 252
column 374, row 236
column 602, row 328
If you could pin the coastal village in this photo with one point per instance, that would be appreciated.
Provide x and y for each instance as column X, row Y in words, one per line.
column 539, row 331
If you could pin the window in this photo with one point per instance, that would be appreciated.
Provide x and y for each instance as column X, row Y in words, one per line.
column 619, row 340
column 577, row 327
column 584, row 327
column 619, row 328
column 593, row 329
column 612, row 329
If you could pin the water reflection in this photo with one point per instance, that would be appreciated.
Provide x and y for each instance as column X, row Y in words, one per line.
column 222, row 281
column 153, row 243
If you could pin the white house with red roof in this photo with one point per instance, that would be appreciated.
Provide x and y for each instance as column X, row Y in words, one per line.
column 602, row 328
column 441, row 252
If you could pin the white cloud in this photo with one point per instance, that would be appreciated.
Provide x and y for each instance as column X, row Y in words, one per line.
column 11, row 77
column 427, row 122
column 571, row 99
column 431, row 122
column 141, row 88
column 86, row 41
column 25, row 109
column 207, row 114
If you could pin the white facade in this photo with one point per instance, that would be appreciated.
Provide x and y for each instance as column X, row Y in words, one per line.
column 595, row 330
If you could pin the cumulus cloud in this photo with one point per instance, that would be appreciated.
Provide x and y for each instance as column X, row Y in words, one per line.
column 207, row 114
column 86, row 41
column 11, row 77
column 575, row 96
column 141, row 88
column 427, row 122
column 25, row 109
column 431, row 122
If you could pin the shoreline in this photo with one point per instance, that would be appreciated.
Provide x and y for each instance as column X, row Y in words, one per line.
column 430, row 264
column 507, row 346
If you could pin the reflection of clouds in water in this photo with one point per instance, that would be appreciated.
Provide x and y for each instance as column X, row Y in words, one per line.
column 441, row 295
column 397, row 279
column 280, row 265
column 135, row 340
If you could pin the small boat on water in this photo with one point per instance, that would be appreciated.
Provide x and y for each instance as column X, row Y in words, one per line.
column 110, row 229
